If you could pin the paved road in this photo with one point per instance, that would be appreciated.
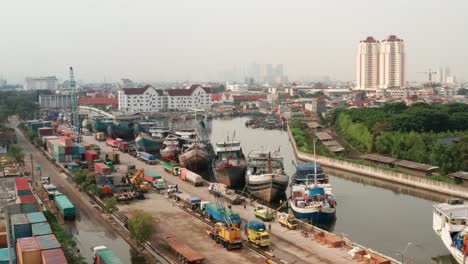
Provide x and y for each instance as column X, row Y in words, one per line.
column 288, row 245
column 89, row 229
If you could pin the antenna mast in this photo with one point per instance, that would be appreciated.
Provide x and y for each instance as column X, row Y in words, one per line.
column 74, row 105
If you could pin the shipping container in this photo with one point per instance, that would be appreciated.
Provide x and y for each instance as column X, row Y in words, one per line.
column 2, row 225
column 65, row 206
column 192, row 177
column 48, row 242
column 28, row 203
column 21, row 226
column 146, row 156
column 45, row 131
column 3, row 239
column 107, row 256
column 40, row 229
column 22, row 187
column 101, row 168
column 150, row 176
column 53, row 256
column 29, row 251
column 37, row 217
column 86, row 146
column 5, row 256
column 91, row 156
column 123, row 146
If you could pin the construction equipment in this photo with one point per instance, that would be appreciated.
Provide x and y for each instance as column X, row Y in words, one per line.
column 74, row 106
column 287, row 220
column 264, row 213
column 229, row 237
column 257, row 233
column 138, row 183
column 429, row 73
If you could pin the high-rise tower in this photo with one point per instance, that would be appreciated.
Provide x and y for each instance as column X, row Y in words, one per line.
column 392, row 63
column 368, row 64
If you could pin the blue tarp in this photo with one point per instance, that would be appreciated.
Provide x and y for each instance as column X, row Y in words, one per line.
column 316, row 190
column 193, row 199
column 255, row 225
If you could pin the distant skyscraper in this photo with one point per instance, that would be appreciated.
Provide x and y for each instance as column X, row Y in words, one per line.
column 368, row 64
column 392, row 63
column 381, row 64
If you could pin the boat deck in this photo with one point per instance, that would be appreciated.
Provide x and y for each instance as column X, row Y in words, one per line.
column 453, row 211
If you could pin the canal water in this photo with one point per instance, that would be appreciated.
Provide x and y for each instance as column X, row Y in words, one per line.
column 374, row 213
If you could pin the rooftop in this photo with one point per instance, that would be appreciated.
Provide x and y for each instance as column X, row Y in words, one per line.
column 379, row 158
column 459, row 174
column 415, row 165
column 323, row 136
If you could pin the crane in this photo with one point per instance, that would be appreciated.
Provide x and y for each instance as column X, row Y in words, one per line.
column 429, row 73
column 74, row 106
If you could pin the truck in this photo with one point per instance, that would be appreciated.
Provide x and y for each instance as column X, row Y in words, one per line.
column 287, row 220
column 114, row 157
column 105, row 255
column 99, row 136
column 112, row 143
column 146, row 157
column 101, row 168
column 172, row 188
column 264, row 213
column 65, row 207
column 110, row 165
column 191, row 177
column 159, row 184
column 123, row 146
column 172, row 168
column 257, row 234
column 150, row 176
column 184, row 252
column 229, row 237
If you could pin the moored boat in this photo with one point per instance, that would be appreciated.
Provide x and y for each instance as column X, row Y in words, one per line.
column 450, row 222
column 146, row 143
column 195, row 157
column 265, row 177
column 170, row 148
column 230, row 164
column 186, row 135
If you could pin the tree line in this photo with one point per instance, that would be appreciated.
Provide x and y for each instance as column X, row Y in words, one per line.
column 421, row 133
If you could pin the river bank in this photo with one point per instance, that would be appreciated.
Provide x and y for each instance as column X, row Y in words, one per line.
column 401, row 178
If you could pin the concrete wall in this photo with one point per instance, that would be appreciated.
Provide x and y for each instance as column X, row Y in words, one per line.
column 410, row 180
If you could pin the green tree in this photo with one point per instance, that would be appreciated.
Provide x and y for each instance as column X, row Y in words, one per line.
column 111, row 204
column 15, row 153
column 141, row 225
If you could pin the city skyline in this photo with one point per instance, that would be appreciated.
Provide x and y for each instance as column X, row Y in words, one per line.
column 161, row 41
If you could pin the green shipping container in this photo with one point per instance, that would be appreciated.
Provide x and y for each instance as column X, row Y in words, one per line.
column 5, row 257
column 65, row 206
column 107, row 256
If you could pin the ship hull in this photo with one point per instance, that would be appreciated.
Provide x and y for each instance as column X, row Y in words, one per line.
column 267, row 187
column 313, row 215
column 233, row 176
column 195, row 159
column 170, row 153
column 115, row 131
column 147, row 144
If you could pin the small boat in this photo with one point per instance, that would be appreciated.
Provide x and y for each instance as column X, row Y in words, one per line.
column 186, row 135
column 265, row 177
column 450, row 222
column 159, row 132
column 170, row 148
column 230, row 164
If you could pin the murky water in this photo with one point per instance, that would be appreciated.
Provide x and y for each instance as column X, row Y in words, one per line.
column 374, row 213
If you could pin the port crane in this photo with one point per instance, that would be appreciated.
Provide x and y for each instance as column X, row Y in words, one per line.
column 429, row 73
column 74, row 105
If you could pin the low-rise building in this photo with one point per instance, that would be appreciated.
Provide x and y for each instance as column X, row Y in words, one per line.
column 41, row 83
column 317, row 105
column 149, row 99
column 55, row 101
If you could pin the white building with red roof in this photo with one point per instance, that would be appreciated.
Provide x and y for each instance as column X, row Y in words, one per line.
column 149, row 99
column 222, row 98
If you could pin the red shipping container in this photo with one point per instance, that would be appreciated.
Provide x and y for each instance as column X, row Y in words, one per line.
column 66, row 141
column 45, row 131
column 68, row 151
column 91, row 155
column 2, row 226
column 27, row 199
column 28, row 251
column 53, row 256
column 87, row 146
column 22, row 184
column 101, row 168
column 3, row 240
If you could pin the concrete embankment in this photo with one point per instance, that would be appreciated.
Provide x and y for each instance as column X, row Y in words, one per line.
column 401, row 178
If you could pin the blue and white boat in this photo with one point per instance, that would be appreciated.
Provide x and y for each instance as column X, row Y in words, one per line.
column 312, row 197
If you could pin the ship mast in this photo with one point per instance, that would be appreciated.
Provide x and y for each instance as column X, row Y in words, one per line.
column 315, row 166
column 269, row 162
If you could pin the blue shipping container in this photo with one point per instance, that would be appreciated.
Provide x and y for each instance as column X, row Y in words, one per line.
column 40, row 229
column 147, row 156
column 21, row 226
column 5, row 257
column 47, row 242
column 28, row 208
column 65, row 206
column 37, row 217
column 24, row 192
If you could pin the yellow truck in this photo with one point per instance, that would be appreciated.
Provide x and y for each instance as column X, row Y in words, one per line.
column 287, row 220
column 257, row 233
column 229, row 237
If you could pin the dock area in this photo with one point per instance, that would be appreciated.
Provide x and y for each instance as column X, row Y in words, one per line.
column 288, row 246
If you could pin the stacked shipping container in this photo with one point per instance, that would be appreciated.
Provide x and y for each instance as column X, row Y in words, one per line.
column 64, row 150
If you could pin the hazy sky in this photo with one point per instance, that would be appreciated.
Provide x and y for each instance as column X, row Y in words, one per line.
column 166, row 40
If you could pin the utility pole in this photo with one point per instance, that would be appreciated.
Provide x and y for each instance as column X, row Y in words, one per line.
column 32, row 167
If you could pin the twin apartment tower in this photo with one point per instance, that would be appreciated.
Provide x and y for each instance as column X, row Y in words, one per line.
column 381, row 64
